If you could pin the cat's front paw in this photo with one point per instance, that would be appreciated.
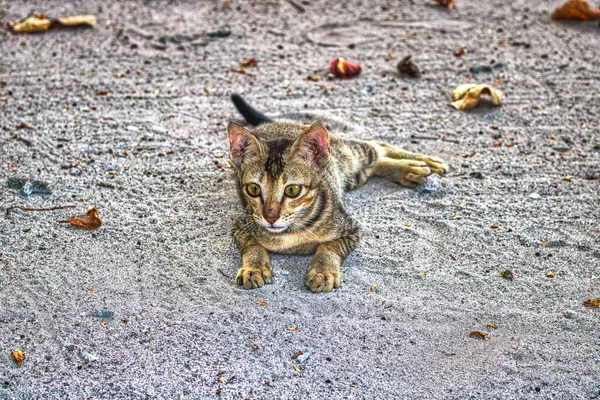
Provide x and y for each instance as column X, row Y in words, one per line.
column 252, row 277
column 322, row 279
column 436, row 165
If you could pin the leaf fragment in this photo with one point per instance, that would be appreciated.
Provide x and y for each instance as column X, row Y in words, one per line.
column 30, row 24
column 75, row 20
column 576, row 9
column 447, row 3
column 592, row 302
column 18, row 356
column 493, row 326
column 90, row 221
column 476, row 333
column 466, row 97
column 251, row 62
column 261, row 302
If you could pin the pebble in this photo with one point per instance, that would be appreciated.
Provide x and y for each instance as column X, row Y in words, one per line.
column 103, row 313
column 133, row 128
column 535, row 196
column 432, row 184
column 88, row 357
column 302, row 358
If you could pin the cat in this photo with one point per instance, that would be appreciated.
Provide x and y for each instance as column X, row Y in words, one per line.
column 291, row 178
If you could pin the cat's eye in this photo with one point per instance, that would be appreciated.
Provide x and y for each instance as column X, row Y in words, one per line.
column 253, row 189
column 292, row 190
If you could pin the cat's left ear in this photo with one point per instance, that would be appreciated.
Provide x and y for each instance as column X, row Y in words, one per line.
column 243, row 145
column 313, row 145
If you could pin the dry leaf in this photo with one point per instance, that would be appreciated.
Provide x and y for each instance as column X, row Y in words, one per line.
column 344, row 69
column 251, row 62
column 373, row 287
column 90, row 221
column 312, row 78
column 447, row 3
column 292, row 328
column 406, row 66
column 466, row 97
column 75, row 20
column 592, row 302
column 493, row 326
column 18, row 356
column 31, row 24
column 241, row 70
column 102, row 92
column 477, row 333
column 24, row 125
column 549, row 274
column 261, row 302
column 296, row 368
column 495, row 227
column 41, row 24
column 576, row 9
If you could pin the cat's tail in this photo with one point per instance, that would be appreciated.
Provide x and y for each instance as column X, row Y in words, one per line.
column 250, row 114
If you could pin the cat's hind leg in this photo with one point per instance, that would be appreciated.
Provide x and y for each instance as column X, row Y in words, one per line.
column 385, row 150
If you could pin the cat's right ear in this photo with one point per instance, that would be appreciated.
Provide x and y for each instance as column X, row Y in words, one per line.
column 243, row 145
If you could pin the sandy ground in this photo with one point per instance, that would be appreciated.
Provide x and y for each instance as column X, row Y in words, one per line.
column 428, row 267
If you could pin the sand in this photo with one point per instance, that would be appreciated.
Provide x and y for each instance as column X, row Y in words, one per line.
column 427, row 270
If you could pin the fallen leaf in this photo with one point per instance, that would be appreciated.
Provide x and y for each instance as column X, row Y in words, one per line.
column 312, row 78
column 119, row 75
column 75, row 20
column 477, row 333
column 373, row 287
column 447, row 3
column 90, row 221
column 466, row 97
column 406, row 66
column 493, row 326
column 576, row 9
column 18, row 356
column 241, row 70
column 592, row 302
column 422, row 274
column 24, row 125
column 254, row 347
column 221, row 379
column 251, row 62
column 344, row 69
column 31, row 24
column 495, row 227
column 568, row 178
column 507, row 274
column 102, row 92
column 261, row 302
column 549, row 274
column 296, row 368
column 292, row 328
column 40, row 23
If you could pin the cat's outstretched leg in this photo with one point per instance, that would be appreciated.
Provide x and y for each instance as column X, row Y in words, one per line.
column 407, row 169
column 256, row 269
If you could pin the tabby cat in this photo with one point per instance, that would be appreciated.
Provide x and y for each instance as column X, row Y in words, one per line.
column 291, row 179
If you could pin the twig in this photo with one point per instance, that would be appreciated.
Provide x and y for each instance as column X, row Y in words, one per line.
column 38, row 209
column 223, row 273
column 297, row 6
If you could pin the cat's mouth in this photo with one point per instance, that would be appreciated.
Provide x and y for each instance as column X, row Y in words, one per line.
column 274, row 229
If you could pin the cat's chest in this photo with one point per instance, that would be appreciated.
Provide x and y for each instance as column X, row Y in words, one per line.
column 293, row 243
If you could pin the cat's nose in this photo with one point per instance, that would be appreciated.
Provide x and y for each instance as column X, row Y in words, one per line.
column 271, row 220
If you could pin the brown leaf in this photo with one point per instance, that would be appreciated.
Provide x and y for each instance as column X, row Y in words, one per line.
column 312, row 78
column 406, row 66
column 576, row 9
column 251, row 62
column 24, row 125
column 75, row 20
column 261, row 302
column 477, row 333
column 102, row 92
column 241, row 70
column 592, row 302
column 447, row 3
column 495, row 227
column 90, row 221
column 493, row 326
column 466, row 97
column 18, row 356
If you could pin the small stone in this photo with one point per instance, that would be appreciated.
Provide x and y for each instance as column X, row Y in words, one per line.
column 103, row 313
column 133, row 128
column 507, row 274
column 535, row 196
column 88, row 357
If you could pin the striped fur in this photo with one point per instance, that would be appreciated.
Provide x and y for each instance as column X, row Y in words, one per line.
column 280, row 154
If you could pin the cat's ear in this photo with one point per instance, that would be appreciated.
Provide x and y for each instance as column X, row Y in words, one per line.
column 243, row 145
column 313, row 145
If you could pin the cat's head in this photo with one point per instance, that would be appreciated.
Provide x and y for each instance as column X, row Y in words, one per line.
column 280, row 179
